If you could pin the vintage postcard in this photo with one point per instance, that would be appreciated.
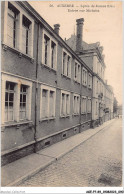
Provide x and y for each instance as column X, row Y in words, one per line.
column 61, row 94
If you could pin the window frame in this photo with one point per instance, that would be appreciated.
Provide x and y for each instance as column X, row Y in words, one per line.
column 77, row 104
column 84, row 77
column 90, row 81
column 89, row 109
column 27, row 38
column 48, row 88
column 85, row 111
column 77, row 65
column 49, row 49
column 19, row 24
column 15, row 24
column 67, row 65
column 26, row 94
column 18, row 82
column 65, row 93
column 9, row 92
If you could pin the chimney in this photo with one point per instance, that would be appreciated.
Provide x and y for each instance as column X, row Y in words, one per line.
column 56, row 28
column 79, row 34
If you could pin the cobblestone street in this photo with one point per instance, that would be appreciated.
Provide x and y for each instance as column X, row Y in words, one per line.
column 96, row 162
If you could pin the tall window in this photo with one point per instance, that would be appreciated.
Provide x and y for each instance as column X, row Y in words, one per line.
column 25, row 34
column 51, row 103
column 77, row 69
column 23, row 102
column 89, row 105
column 16, row 99
column 65, row 103
column 44, row 103
column 46, row 47
column 12, row 25
column 83, row 105
column 9, row 101
column 49, row 51
column 97, row 87
column 90, row 81
column 66, row 64
column 76, row 104
column 53, row 54
column 84, row 77
column 47, row 102
column 18, row 28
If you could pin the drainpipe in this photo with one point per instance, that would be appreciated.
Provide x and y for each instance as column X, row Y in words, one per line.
column 91, row 125
column 36, row 91
column 80, row 100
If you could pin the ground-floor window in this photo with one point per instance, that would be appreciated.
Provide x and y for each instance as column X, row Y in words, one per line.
column 89, row 105
column 76, row 104
column 23, row 102
column 48, row 96
column 9, row 101
column 16, row 99
column 83, row 104
column 65, row 103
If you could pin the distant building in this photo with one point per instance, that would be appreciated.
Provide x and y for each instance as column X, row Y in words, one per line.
column 49, row 91
column 120, row 110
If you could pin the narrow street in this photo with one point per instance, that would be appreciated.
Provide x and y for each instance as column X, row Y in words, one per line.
column 95, row 163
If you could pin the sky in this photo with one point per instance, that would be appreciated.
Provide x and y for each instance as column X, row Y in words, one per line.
column 102, row 23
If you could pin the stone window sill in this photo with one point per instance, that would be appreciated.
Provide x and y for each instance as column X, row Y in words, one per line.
column 20, row 53
column 76, row 114
column 47, row 119
column 65, row 76
column 83, row 113
column 89, row 88
column 76, row 81
column 16, row 124
column 65, row 116
column 84, row 85
column 49, row 68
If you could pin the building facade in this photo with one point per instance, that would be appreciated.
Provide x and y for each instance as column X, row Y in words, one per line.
column 47, row 87
column 102, row 94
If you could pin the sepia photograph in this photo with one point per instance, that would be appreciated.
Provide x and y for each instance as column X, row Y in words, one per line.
column 61, row 95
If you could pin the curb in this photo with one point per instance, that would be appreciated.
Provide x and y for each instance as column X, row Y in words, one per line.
column 30, row 174
column 35, row 171
column 61, row 155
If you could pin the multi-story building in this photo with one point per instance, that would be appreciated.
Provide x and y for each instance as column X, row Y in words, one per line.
column 92, row 55
column 109, row 98
column 46, row 86
column 51, row 89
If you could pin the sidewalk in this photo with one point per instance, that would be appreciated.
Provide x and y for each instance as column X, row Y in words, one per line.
column 14, row 173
